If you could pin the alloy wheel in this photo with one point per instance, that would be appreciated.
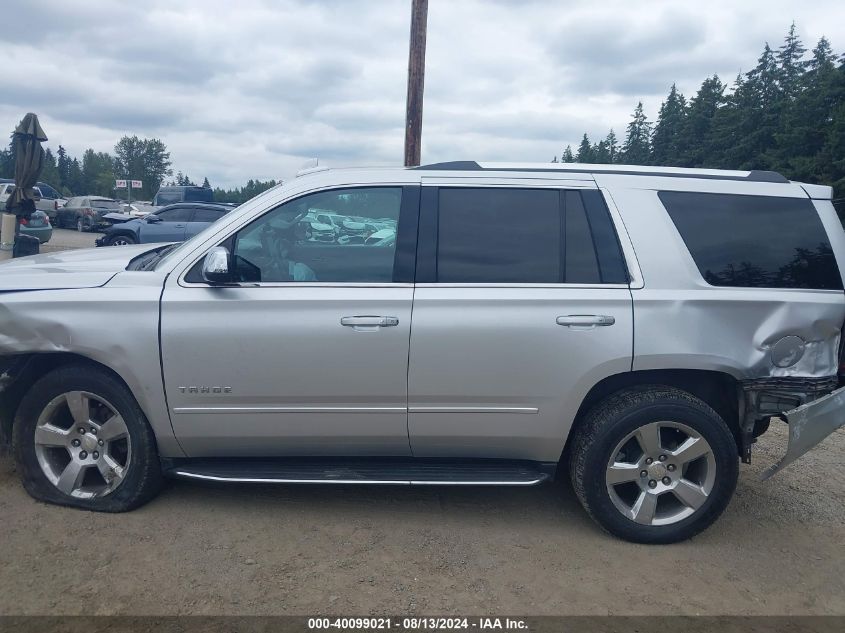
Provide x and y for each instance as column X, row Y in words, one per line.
column 82, row 444
column 661, row 473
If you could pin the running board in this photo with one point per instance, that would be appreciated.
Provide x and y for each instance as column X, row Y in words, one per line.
column 363, row 471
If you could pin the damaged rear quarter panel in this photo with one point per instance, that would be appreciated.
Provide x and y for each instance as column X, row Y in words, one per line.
column 680, row 321
column 115, row 325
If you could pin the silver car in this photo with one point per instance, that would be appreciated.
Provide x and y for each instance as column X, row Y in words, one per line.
column 631, row 328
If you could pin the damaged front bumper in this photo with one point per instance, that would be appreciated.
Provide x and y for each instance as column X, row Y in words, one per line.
column 809, row 424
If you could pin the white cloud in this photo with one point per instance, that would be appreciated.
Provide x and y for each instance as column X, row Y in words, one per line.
column 252, row 89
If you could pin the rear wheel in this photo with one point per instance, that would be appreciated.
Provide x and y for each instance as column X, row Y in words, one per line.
column 80, row 225
column 654, row 464
column 121, row 240
column 81, row 440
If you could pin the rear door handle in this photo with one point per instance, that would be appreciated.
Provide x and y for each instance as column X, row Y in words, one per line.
column 369, row 323
column 586, row 320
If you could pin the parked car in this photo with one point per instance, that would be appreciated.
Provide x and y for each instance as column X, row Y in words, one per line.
column 49, row 199
column 173, row 223
column 631, row 328
column 182, row 193
column 85, row 213
column 38, row 225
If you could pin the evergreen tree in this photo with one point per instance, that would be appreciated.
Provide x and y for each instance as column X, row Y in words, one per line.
column 49, row 170
column 806, row 124
column 567, row 156
column 790, row 66
column 585, row 151
column 600, row 153
column 668, row 131
column 699, row 121
column 207, row 185
column 612, row 146
column 761, row 113
column 637, row 147
column 63, row 166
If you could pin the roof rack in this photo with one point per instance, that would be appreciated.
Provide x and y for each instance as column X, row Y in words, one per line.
column 621, row 170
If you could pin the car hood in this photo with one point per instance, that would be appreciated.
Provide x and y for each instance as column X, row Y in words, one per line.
column 86, row 268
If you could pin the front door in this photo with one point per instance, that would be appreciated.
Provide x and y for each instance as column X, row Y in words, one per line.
column 166, row 226
column 308, row 355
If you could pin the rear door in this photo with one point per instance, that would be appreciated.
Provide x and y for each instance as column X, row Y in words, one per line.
column 203, row 216
column 522, row 304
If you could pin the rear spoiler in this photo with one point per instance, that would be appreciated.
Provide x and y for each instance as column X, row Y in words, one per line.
column 818, row 192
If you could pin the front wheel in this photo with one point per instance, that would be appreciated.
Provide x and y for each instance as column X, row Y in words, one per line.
column 80, row 225
column 654, row 464
column 81, row 440
column 121, row 240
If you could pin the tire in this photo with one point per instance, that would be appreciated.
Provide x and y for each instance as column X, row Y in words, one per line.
column 121, row 240
column 680, row 494
column 80, row 225
column 114, row 470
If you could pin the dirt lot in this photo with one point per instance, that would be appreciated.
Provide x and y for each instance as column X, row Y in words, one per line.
column 64, row 239
column 233, row 549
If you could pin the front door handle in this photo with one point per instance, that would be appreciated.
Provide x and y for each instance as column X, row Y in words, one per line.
column 369, row 323
column 586, row 320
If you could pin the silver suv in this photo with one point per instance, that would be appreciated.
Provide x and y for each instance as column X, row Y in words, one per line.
column 635, row 328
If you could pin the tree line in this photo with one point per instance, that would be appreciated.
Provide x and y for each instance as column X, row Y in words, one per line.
column 144, row 159
column 786, row 114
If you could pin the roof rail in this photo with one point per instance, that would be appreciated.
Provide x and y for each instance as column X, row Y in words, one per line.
column 621, row 170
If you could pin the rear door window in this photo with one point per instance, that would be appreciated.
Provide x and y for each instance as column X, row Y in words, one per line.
column 207, row 215
column 180, row 214
column 500, row 236
column 754, row 241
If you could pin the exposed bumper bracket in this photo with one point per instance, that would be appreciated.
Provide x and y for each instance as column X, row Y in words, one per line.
column 809, row 424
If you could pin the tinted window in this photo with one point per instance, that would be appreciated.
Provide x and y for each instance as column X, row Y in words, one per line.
column 582, row 266
column 163, row 199
column 289, row 244
column 207, row 215
column 199, row 195
column 499, row 236
column 179, row 214
column 754, row 241
column 105, row 204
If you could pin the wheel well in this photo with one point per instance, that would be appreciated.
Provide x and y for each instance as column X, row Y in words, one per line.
column 719, row 390
column 19, row 372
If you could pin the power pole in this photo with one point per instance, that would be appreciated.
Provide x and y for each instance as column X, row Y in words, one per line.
column 416, row 82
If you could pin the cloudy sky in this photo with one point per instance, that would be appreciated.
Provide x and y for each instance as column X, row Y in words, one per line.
column 242, row 89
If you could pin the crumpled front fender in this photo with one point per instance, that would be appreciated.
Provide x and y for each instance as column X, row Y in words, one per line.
column 809, row 424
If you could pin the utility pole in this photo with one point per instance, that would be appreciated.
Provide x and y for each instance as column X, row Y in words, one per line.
column 416, row 82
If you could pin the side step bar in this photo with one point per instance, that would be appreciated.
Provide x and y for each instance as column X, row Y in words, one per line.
column 364, row 471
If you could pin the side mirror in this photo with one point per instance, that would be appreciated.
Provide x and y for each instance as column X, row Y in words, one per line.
column 216, row 267
column 151, row 219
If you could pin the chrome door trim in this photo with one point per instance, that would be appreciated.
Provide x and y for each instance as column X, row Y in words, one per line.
column 596, row 286
column 527, row 410
column 230, row 410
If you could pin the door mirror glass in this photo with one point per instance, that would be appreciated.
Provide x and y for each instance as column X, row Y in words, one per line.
column 215, row 266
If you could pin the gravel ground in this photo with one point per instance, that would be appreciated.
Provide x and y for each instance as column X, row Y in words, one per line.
column 65, row 239
column 237, row 549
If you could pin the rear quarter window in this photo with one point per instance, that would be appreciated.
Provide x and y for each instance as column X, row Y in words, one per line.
column 754, row 241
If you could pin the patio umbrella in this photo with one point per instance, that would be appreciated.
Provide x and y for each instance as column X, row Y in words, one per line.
column 29, row 159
